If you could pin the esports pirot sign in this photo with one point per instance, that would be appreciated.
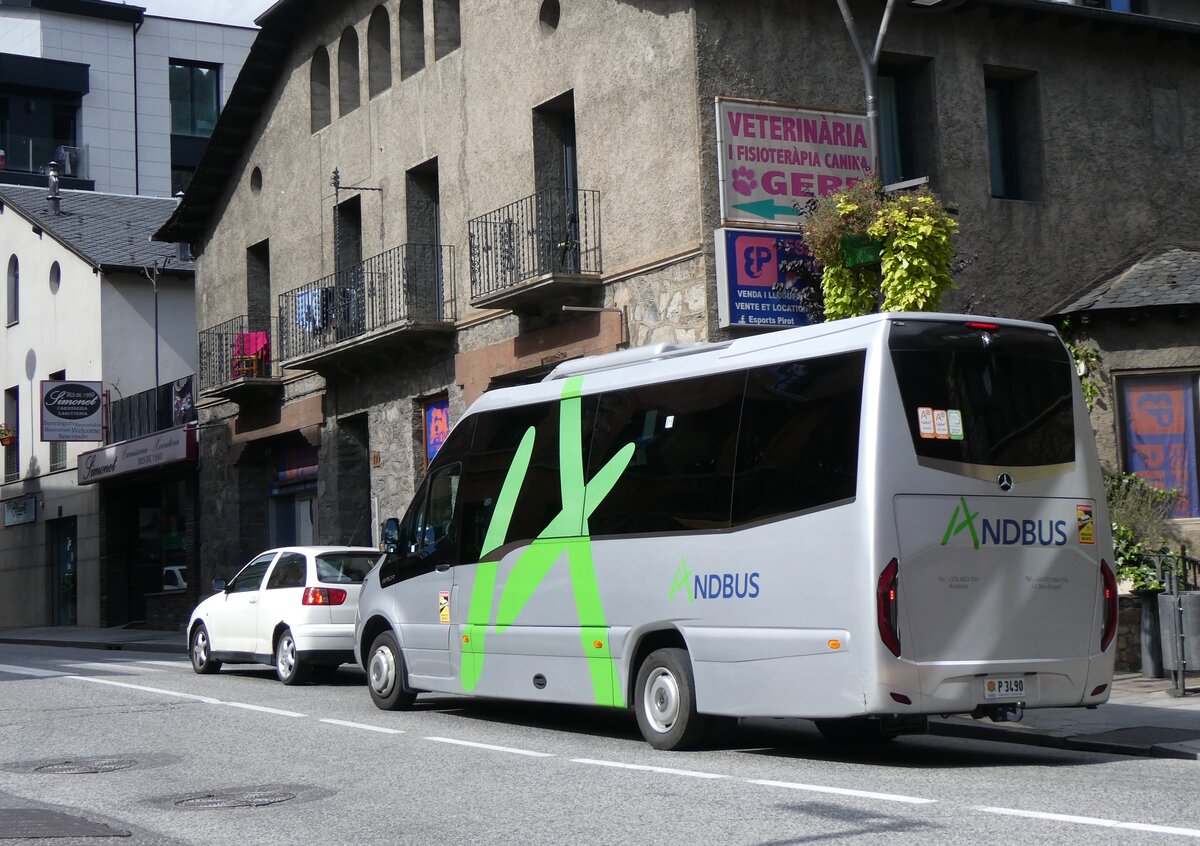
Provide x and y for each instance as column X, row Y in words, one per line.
column 752, row 290
column 772, row 156
column 71, row 411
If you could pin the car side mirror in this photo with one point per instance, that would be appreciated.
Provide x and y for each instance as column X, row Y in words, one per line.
column 218, row 585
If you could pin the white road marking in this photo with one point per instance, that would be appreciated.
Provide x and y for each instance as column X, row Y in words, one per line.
column 1097, row 821
column 145, row 689
column 491, row 747
column 13, row 669
column 175, row 665
column 379, row 729
column 842, row 791
column 263, row 708
column 646, row 768
column 112, row 666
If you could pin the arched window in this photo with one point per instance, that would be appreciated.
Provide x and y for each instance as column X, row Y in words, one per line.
column 348, row 82
column 379, row 52
column 318, row 77
column 412, row 37
column 446, row 32
column 14, row 290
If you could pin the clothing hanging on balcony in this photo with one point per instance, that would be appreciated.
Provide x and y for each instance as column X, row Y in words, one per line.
column 312, row 309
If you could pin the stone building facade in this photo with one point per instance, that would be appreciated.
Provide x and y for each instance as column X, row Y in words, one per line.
column 408, row 202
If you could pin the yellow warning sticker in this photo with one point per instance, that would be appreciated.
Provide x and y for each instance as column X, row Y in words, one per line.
column 1087, row 526
column 444, row 606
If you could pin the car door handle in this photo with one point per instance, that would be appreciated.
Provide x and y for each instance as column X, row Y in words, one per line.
column 442, row 567
column 253, row 600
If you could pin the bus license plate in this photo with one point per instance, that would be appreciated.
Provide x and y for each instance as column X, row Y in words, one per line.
column 1003, row 687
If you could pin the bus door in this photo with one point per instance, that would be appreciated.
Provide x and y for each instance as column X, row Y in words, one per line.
column 428, row 552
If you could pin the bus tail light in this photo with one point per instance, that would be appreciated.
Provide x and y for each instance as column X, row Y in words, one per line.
column 885, row 604
column 324, row 596
column 1109, row 585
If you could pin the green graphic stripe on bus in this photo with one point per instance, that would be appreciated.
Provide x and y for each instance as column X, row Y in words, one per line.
column 968, row 522
column 579, row 500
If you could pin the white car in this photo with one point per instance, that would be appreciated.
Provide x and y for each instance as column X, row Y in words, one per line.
column 291, row 607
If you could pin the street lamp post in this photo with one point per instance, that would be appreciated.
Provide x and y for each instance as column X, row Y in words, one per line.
column 870, row 72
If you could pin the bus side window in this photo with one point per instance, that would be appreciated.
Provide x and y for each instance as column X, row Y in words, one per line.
column 680, row 477
column 798, row 447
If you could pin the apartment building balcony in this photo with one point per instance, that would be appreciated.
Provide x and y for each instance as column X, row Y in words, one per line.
column 238, row 361
column 536, row 249
column 25, row 160
column 369, row 310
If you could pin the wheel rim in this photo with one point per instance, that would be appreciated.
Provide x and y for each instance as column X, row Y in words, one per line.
column 200, row 648
column 285, row 657
column 382, row 672
column 660, row 703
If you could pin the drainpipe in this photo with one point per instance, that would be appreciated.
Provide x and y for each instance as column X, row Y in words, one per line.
column 137, row 157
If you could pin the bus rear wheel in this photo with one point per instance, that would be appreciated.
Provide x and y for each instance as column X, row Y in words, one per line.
column 665, row 701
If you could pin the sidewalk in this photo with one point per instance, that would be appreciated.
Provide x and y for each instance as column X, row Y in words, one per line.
column 1141, row 717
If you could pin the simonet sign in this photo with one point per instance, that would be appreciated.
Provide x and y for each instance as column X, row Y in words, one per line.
column 71, row 411
column 167, row 447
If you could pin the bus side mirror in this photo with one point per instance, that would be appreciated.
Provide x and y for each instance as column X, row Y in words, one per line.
column 389, row 535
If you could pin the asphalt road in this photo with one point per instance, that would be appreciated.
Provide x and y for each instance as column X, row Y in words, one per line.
column 336, row 770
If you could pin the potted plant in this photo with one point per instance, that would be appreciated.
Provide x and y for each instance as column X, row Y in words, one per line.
column 7, row 434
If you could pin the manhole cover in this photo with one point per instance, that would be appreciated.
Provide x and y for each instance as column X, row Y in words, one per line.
column 85, row 766
column 239, row 799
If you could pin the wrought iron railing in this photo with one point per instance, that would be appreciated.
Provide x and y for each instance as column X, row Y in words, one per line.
column 153, row 410
column 409, row 282
column 241, row 348
column 549, row 232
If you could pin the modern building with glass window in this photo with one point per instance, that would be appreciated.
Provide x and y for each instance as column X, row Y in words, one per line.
column 121, row 101
column 412, row 201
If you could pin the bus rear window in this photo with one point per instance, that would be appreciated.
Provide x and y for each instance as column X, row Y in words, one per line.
column 985, row 394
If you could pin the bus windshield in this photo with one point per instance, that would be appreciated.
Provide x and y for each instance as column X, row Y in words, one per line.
column 978, row 393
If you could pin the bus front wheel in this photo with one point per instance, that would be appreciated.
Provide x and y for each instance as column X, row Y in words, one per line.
column 385, row 675
column 665, row 701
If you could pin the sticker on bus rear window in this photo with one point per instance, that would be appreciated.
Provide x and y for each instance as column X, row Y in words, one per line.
column 925, row 421
column 954, row 418
column 1087, row 526
column 941, row 424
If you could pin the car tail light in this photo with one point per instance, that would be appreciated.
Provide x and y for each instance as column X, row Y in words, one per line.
column 324, row 596
column 1109, row 583
column 885, row 599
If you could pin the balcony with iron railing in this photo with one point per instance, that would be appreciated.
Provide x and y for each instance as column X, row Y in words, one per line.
column 237, row 360
column 152, row 410
column 534, row 249
column 370, row 308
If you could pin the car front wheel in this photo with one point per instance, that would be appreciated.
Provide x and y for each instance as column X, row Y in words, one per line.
column 289, row 666
column 385, row 675
column 201, row 652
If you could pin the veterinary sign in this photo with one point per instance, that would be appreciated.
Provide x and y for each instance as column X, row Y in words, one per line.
column 772, row 157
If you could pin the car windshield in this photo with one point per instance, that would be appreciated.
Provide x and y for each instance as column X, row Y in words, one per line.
column 345, row 567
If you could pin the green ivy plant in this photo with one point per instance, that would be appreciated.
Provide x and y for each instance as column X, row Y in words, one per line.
column 1140, row 513
column 916, row 249
column 1087, row 363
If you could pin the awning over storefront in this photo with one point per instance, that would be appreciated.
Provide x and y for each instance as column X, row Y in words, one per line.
column 169, row 446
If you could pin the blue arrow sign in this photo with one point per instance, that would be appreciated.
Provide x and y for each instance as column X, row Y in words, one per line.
column 767, row 209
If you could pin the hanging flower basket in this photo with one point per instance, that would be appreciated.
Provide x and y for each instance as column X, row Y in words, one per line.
column 859, row 250
column 8, row 435
column 7, row 440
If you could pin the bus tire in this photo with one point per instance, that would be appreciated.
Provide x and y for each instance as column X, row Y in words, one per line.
column 386, row 675
column 854, row 731
column 665, row 701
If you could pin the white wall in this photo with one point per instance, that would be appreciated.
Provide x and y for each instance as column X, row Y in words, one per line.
column 56, row 331
column 127, row 308
column 20, row 32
